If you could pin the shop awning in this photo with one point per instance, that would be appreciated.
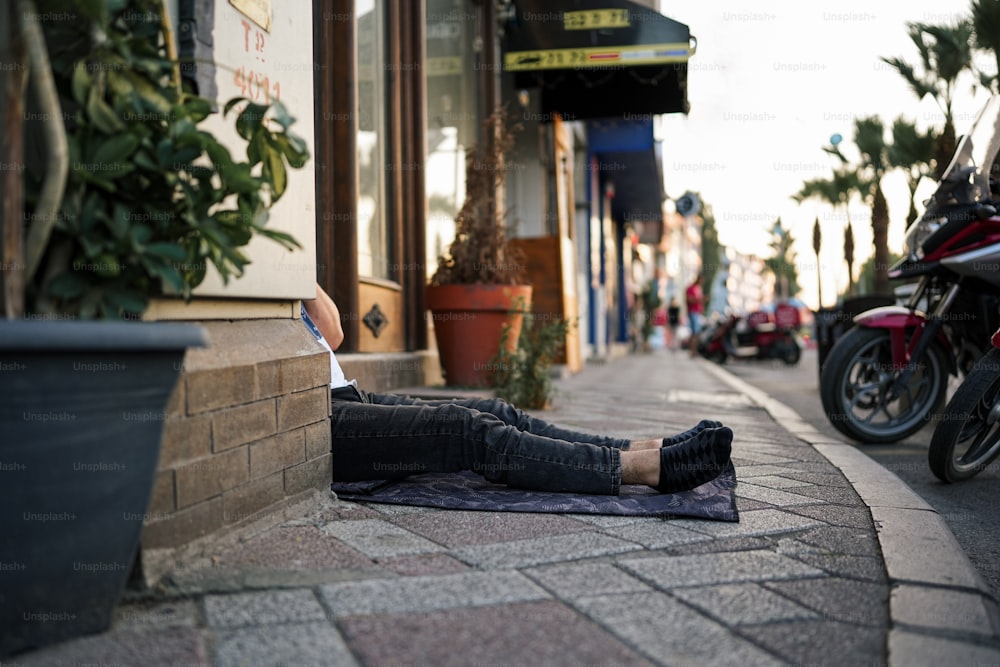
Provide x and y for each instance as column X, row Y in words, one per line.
column 638, row 185
column 599, row 58
column 630, row 160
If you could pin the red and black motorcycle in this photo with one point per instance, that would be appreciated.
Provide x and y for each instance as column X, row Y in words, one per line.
column 888, row 375
column 759, row 335
column 967, row 437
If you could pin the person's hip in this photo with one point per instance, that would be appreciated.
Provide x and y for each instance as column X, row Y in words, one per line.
column 348, row 393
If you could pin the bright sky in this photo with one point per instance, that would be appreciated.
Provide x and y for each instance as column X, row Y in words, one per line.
column 768, row 87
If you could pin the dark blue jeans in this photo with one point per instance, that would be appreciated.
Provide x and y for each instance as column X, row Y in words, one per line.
column 387, row 436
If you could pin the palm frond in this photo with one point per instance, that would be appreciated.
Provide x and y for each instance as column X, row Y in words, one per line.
column 869, row 136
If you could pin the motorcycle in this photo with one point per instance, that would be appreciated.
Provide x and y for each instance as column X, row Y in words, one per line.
column 757, row 336
column 967, row 438
column 886, row 376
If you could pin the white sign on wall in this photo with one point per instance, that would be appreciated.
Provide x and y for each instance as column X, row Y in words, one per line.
column 263, row 65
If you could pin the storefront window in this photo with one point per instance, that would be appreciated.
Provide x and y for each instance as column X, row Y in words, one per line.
column 451, row 117
column 374, row 248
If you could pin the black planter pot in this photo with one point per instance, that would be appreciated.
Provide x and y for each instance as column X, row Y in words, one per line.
column 81, row 418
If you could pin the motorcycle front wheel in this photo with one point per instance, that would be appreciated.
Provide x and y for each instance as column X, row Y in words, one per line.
column 967, row 439
column 713, row 352
column 858, row 393
column 716, row 355
column 791, row 353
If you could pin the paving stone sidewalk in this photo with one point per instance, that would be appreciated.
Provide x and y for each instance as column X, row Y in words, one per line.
column 804, row 578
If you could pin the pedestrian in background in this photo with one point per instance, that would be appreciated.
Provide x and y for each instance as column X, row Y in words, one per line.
column 696, row 312
column 673, row 321
column 638, row 312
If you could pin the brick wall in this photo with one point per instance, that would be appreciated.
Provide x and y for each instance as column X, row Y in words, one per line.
column 388, row 372
column 246, row 432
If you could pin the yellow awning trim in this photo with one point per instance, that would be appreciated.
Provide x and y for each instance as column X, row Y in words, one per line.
column 586, row 58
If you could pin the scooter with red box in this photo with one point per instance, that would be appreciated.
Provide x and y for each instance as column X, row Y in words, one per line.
column 759, row 335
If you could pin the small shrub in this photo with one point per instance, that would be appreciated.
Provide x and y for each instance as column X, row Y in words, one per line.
column 522, row 377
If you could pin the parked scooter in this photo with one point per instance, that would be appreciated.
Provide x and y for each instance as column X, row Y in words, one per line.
column 759, row 335
column 967, row 439
column 886, row 376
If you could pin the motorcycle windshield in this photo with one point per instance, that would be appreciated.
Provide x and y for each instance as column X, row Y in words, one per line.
column 974, row 158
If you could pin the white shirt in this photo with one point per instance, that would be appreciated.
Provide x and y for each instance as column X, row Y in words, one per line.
column 337, row 377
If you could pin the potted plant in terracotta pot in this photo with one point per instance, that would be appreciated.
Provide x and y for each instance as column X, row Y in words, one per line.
column 123, row 196
column 478, row 281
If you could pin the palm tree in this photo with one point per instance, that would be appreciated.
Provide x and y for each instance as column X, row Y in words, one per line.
column 822, row 189
column 782, row 264
column 986, row 33
column 825, row 191
column 838, row 191
column 711, row 249
column 817, row 244
column 911, row 151
column 869, row 137
column 849, row 257
column 945, row 51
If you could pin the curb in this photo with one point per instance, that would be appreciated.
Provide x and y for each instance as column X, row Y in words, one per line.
column 940, row 609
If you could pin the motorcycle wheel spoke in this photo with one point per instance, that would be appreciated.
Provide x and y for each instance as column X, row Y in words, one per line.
column 872, row 391
column 909, row 396
column 984, row 435
column 977, row 448
column 885, row 406
column 911, row 392
column 880, row 404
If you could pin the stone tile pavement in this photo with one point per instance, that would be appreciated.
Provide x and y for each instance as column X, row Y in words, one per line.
column 833, row 562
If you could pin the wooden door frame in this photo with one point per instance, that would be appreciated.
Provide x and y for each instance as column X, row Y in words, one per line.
column 336, row 149
column 336, row 126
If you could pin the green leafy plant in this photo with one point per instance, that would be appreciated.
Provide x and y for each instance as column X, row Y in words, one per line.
column 151, row 197
column 522, row 377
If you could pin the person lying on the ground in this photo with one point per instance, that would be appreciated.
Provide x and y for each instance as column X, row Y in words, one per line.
column 390, row 436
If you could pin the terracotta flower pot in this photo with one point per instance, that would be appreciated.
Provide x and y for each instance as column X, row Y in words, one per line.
column 468, row 324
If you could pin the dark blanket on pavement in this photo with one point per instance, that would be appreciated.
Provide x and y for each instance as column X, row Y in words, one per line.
column 469, row 491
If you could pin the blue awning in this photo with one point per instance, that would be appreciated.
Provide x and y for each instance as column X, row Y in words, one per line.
column 638, row 181
column 629, row 159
